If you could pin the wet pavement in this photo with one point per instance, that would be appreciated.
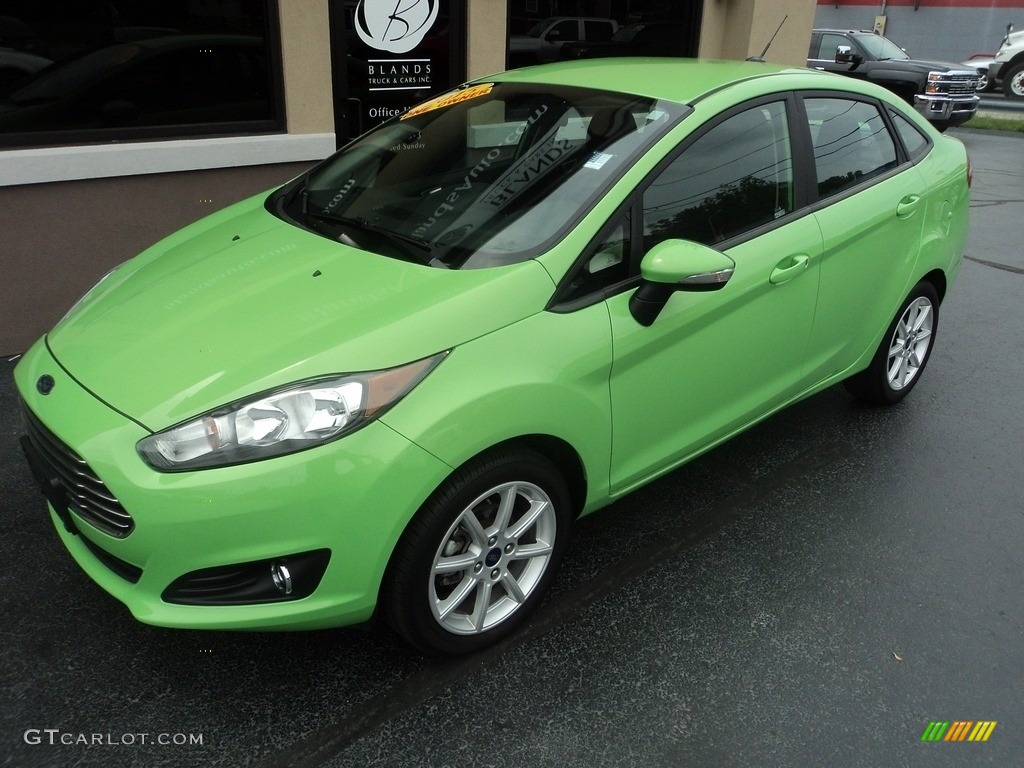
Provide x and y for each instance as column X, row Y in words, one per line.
column 815, row 592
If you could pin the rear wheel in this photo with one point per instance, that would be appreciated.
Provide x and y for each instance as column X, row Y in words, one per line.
column 479, row 555
column 903, row 354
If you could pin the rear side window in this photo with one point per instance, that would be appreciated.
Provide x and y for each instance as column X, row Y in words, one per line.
column 916, row 143
column 851, row 143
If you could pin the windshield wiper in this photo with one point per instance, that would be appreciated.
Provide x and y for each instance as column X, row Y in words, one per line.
column 360, row 222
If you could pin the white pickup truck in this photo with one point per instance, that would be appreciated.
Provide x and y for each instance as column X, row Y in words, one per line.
column 1007, row 71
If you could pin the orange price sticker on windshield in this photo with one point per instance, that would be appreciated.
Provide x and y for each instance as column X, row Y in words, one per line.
column 448, row 99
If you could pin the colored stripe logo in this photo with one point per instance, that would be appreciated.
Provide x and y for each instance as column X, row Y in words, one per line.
column 958, row 730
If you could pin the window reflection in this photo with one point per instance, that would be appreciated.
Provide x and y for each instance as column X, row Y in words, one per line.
column 102, row 70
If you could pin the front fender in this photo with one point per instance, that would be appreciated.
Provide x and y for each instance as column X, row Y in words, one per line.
column 545, row 375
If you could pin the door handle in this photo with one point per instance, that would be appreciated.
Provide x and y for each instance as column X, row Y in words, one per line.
column 907, row 206
column 789, row 268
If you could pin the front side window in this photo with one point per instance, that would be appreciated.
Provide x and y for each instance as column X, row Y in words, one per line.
column 139, row 70
column 851, row 143
column 734, row 178
column 830, row 43
column 488, row 175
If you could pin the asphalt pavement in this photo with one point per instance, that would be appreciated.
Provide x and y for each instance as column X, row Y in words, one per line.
column 815, row 592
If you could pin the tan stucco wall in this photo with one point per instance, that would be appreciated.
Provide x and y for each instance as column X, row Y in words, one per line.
column 306, row 54
column 737, row 29
column 486, row 25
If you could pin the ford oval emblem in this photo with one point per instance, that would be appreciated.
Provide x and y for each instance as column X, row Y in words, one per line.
column 45, row 384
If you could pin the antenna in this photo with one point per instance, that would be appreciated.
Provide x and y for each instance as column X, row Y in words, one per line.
column 769, row 43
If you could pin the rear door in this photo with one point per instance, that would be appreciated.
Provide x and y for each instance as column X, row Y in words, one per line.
column 871, row 213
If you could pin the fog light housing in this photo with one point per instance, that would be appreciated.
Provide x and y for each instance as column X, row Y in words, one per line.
column 281, row 576
column 274, row 580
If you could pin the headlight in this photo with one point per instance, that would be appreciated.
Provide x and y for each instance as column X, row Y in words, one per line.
column 286, row 420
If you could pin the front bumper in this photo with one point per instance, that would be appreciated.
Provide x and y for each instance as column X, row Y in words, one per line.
column 942, row 108
column 352, row 497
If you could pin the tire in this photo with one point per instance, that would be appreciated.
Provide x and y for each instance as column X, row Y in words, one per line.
column 480, row 554
column 1013, row 81
column 903, row 354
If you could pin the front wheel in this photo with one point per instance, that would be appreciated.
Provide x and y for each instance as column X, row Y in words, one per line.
column 901, row 357
column 1013, row 82
column 480, row 553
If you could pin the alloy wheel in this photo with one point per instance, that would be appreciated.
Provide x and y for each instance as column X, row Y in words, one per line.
column 492, row 558
column 908, row 348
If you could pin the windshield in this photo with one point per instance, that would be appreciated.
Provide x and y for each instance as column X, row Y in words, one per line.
column 489, row 175
column 881, row 48
column 537, row 29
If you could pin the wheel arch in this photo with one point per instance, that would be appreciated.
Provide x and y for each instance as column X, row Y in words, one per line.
column 938, row 280
column 562, row 455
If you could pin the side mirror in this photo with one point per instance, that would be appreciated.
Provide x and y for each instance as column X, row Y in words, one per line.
column 677, row 265
column 845, row 55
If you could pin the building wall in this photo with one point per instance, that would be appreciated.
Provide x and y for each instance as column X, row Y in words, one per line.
column 486, row 26
column 306, row 55
column 942, row 30
column 739, row 29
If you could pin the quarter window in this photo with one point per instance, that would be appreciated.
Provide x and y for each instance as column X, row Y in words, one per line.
column 734, row 178
column 913, row 139
column 851, row 143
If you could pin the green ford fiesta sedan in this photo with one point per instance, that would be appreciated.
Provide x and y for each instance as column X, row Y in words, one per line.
column 389, row 387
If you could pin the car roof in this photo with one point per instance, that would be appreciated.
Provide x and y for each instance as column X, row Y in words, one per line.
column 671, row 79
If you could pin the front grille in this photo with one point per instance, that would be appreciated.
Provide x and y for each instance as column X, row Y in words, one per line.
column 87, row 495
column 961, row 84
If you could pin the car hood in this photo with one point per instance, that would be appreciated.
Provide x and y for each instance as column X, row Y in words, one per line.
column 243, row 302
column 920, row 65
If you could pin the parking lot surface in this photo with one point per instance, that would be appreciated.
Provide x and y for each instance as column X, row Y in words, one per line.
column 815, row 592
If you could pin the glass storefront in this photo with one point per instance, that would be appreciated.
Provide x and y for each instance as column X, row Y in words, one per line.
column 390, row 54
column 543, row 31
column 86, row 71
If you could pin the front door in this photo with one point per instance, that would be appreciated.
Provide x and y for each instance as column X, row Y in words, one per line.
column 713, row 362
column 390, row 54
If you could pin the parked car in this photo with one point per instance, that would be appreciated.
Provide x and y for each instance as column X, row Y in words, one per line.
column 946, row 94
column 543, row 43
column 389, row 387
column 646, row 38
column 980, row 62
column 1007, row 69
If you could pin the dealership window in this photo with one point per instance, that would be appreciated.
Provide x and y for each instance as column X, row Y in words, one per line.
column 87, row 71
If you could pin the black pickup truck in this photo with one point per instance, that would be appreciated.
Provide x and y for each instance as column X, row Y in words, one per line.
column 944, row 93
